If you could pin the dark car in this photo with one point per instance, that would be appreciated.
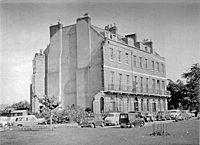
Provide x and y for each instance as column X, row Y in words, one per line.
column 92, row 121
column 148, row 117
column 130, row 120
column 161, row 115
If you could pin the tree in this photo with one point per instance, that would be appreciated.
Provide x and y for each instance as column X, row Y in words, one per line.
column 50, row 103
column 185, row 95
column 192, row 84
column 177, row 90
column 22, row 105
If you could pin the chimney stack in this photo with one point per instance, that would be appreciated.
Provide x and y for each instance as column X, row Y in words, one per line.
column 54, row 28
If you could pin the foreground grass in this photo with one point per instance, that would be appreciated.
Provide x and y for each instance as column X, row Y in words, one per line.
column 181, row 133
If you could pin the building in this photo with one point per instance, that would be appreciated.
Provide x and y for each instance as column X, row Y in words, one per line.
column 38, row 81
column 19, row 113
column 98, row 68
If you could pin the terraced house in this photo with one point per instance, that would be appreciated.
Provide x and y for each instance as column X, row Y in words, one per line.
column 98, row 68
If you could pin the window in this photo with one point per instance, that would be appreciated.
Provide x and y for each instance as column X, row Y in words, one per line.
column 164, row 105
column 141, row 80
column 112, row 80
column 142, row 104
column 127, row 81
column 158, row 69
column 152, row 63
column 158, row 84
column 140, row 62
column 146, row 48
column 163, row 85
column 120, row 81
column 147, row 104
column 163, row 68
column 126, row 57
column 134, row 60
column 146, row 63
column 159, row 104
column 119, row 55
column 111, row 54
column 153, row 84
column 134, row 83
column 147, row 85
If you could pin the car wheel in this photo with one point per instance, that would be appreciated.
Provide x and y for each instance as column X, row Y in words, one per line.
column 92, row 125
column 19, row 125
column 102, row 125
column 142, row 124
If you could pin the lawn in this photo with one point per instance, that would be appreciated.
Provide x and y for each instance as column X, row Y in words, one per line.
column 181, row 133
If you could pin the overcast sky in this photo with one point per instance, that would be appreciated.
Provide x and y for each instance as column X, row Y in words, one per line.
column 173, row 28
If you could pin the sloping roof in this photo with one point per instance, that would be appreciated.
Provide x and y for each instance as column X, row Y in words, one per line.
column 19, row 111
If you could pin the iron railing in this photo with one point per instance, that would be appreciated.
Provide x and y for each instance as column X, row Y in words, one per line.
column 131, row 89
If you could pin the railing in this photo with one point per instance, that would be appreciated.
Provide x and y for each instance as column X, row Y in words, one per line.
column 124, row 88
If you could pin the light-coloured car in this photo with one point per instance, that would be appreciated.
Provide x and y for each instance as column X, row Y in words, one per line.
column 198, row 115
column 174, row 113
column 190, row 115
column 112, row 118
column 28, row 120
column 4, row 121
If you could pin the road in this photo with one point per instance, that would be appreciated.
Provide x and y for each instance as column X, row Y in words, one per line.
column 181, row 133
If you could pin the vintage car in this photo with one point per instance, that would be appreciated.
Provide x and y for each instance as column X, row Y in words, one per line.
column 186, row 114
column 174, row 113
column 92, row 121
column 131, row 119
column 161, row 115
column 4, row 121
column 28, row 120
column 112, row 118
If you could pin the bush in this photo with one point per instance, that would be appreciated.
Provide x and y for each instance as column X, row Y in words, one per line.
column 70, row 114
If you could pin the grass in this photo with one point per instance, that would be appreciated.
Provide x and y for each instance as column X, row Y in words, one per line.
column 181, row 133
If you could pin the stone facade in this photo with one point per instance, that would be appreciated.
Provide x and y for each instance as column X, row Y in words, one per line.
column 98, row 68
column 38, row 81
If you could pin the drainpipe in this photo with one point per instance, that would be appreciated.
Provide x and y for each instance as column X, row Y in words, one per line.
column 60, row 70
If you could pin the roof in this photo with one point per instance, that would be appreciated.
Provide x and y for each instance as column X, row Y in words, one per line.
column 19, row 111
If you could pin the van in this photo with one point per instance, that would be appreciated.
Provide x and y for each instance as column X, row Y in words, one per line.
column 28, row 120
column 130, row 120
column 112, row 118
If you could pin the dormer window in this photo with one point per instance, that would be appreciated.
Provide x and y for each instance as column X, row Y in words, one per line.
column 146, row 48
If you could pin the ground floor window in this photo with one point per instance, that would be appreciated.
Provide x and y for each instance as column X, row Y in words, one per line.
column 101, row 104
column 164, row 105
column 154, row 106
column 142, row 105
column 147, row 104
column 136, row 104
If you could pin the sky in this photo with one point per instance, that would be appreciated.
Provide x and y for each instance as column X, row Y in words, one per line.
column 174, row 28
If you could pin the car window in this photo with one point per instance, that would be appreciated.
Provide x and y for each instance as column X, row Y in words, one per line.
column 174, row 111
column 123, row 116
column 111, row 115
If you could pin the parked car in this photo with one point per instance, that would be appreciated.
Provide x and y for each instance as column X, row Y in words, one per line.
column 28, row 120
column 160, row 116
column 148, row 117
column 4, row 121
column 174, row 113
column 168, row 115
column 92, row 121
column 194, row 113
column 112, row 118
column 179, row 117
column 186, row 114
column 198, row 115
column 130, row 120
